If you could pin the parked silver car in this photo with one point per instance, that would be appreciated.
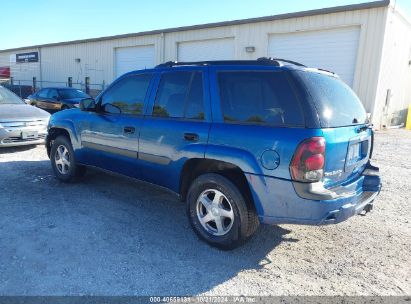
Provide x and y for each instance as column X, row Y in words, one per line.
column 20, row 124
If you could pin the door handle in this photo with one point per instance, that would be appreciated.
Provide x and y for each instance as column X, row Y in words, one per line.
column 129, row 130
column 191, row 136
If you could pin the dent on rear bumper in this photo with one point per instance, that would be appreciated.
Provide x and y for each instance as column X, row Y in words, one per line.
column 277, row 201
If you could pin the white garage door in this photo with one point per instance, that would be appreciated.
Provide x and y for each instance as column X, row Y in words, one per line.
column 213, row 49
column 133, row 58
column 334, row 50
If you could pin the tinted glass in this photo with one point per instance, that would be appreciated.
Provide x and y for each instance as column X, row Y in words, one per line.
column 8, row 97
column 180, row 95
column 43, row 93
column 52, row 94
column 128, row 94
column 336, row 103
column 72, row 93
column 259, row 98
column 195, row 105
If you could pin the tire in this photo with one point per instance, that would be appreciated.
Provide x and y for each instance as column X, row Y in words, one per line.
column 206, row 207
column 65, row 168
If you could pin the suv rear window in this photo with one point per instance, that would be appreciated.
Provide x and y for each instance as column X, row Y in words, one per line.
column 336, row 103
column 259, row 97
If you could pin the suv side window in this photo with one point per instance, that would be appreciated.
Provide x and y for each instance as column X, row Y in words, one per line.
column 180, row 95
column 43, row 93
column 128, row 94
column 263, row 97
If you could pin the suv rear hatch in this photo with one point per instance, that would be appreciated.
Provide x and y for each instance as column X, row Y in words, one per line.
column 344, row 123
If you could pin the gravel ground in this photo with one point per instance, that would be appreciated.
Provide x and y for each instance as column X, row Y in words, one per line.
column 111, row 235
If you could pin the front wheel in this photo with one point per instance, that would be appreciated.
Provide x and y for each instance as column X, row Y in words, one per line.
column 63, row 161
column 218, row 212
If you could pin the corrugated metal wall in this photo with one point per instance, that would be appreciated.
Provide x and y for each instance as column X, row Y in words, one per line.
column 23, row 71
column 395, row 73
column 97, row 58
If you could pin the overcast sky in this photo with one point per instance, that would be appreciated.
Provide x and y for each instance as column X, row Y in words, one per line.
column 28, row 22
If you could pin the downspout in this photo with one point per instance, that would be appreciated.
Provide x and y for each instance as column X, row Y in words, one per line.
column 40, row 67
column 377, row 121
column 163, row 47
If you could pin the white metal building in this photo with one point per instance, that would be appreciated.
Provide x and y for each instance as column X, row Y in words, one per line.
column 368, row 45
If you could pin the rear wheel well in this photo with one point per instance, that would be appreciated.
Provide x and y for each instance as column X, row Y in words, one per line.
column 193, row 168
column 52, row 135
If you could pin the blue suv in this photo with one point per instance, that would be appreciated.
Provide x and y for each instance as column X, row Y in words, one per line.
column 242, row 142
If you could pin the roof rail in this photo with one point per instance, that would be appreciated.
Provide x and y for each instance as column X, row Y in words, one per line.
column 280, row 60
column 170, row 64
column 260, row 61
column 328, row 71
column 218, row 62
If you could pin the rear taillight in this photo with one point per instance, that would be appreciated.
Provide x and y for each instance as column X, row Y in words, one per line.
column 308, row 161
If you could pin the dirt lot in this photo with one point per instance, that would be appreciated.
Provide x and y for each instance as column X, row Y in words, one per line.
column 114, row 236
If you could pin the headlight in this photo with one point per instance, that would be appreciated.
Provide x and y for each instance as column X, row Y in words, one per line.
column 47, row 122
column 76, row 105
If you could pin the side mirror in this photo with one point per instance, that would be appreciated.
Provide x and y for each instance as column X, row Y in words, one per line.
column 112, row 109
column 87, row 104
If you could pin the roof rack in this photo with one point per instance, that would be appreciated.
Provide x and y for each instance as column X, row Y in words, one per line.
column 259, row 61
column 328, row 71
column 280, row 61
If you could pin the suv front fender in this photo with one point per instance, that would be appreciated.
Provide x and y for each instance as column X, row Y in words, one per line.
column 66, row 127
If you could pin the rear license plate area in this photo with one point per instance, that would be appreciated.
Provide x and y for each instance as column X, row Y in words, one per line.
column 357, row 151
column 29, row 135
column 354, row 153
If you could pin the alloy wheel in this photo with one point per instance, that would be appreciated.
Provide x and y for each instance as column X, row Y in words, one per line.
column 62, row 159
column 214, row 211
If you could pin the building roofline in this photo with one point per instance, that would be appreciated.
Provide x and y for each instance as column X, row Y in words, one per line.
column 402, row 15
column 321, row 11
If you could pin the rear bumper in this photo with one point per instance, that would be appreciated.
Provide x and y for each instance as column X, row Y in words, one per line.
column 280, row 201
column 364, row 203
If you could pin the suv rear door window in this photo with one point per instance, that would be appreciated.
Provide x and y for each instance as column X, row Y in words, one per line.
column 128, row 94
column 259, row 97
column 180, row 95
column 336, row 103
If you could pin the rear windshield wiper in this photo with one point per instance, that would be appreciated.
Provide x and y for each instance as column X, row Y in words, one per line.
column 364, row 128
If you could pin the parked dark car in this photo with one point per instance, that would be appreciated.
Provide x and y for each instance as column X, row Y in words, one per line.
column 56, row 99
column 242, row 142
column 20, row 90
column 20, row 124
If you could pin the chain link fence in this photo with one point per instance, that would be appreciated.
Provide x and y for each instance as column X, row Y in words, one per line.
column 24, row 88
